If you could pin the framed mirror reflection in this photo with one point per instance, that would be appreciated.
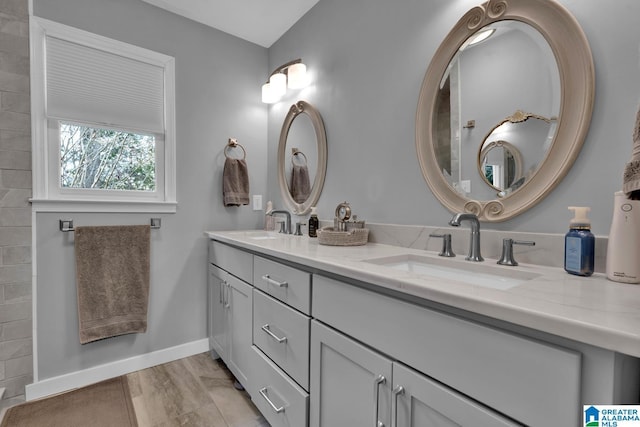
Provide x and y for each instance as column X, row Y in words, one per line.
column 302, row 157
column 524, row 56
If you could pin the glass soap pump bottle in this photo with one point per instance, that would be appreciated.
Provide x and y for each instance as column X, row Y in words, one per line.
column 313, row 223
column 579, row 244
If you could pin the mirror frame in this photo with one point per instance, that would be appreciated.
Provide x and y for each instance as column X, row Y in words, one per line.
column 577, row 80
column 303, row 107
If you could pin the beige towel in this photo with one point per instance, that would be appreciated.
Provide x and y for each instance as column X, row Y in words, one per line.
column 631, row 176
column 112, row 276
column 300, row 185
column 235, row 182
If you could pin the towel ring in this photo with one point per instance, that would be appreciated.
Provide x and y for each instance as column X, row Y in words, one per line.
column 233, row 143
column 295, row 152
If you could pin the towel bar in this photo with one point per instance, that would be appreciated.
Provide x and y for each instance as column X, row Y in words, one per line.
column 66, row 225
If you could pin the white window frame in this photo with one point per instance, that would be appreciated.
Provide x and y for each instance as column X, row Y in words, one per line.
column 48, row 196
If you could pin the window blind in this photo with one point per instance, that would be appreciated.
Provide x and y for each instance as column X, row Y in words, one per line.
column 95, row 86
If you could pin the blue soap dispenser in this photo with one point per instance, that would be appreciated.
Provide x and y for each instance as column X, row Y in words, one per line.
column 579, row 244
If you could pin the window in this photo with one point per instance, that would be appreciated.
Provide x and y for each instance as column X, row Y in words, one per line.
column 103, row 114
column 106, row 159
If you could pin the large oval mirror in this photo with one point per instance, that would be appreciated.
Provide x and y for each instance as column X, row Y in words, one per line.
column 302, row 158
column 504, row 56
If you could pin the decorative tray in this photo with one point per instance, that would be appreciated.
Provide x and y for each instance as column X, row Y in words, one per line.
column 355, row 237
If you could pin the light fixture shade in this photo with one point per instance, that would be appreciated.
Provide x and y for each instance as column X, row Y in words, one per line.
column 268, row 97
column 278, row 83
column 482, row 36
column 298, row 76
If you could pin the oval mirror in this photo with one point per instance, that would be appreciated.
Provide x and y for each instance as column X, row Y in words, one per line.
column 302, row 158
column 534, row 57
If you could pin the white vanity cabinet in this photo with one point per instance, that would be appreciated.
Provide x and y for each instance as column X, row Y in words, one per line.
column 314, row 348
column 498, row 371
column 230, row 308
column 353, row 385
column 281, row 322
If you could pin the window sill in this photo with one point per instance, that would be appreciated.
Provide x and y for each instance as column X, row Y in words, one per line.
column 102, row 206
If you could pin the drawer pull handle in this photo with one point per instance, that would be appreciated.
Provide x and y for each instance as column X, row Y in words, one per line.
column 399, row 390
column 263, row 393
column 273, row 282
column 272, row 335
column 227, row 303
column 380, row 379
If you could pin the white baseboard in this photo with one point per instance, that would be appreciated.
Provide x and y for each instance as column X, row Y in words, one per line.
column 88, row 376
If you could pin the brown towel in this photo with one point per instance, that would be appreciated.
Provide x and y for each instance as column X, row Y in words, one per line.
column 235, row 182
column 300, row 185
column 631, row 175
column 112, row 276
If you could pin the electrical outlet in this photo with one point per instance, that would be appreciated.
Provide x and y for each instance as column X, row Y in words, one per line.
column 257, row 202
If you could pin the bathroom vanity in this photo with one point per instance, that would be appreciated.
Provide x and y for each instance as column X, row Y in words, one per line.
column 331, row 336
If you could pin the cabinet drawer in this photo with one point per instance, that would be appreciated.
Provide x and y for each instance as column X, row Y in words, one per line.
column 282, row 334
column 504, row 371
column 282, row 402
column 284, row 283
column 232, row 260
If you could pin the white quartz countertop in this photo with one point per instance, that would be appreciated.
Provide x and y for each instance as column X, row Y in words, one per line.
column 592, row 309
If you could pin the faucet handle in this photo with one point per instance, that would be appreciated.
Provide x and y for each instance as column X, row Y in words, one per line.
column 446, row 244
column 507, row 251
column 299, row 228
column 283, row 227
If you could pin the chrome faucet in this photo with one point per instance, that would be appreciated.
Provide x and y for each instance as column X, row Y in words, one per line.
column 287, row 229
column 474, row 243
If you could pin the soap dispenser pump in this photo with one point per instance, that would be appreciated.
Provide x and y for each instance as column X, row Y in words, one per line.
column 579, row 244
column 313, row 223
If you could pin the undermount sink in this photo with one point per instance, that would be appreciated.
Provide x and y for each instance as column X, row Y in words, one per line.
column 473, row 273
column 261, row 235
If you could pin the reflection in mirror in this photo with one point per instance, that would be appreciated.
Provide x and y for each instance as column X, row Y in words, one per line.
column 302, row 158
column 523, row 136
column 511, row 67
column 535, row 58
column 501, row 166
column 300, row 170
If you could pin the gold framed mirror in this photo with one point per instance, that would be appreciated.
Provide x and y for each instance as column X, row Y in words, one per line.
column 549, row 27
column 302, row 158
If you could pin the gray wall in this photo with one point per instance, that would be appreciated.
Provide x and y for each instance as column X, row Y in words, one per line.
column 15, row 212
column 218, row 80
column 369, row 57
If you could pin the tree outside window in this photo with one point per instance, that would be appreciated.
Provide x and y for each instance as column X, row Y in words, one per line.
column 106, row 159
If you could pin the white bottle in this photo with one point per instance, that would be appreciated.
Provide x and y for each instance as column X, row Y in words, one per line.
column 623, row 248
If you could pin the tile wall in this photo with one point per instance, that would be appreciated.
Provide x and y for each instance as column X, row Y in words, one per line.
column 16, row 360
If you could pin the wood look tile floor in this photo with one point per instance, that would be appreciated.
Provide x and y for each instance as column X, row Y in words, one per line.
column 194, row 391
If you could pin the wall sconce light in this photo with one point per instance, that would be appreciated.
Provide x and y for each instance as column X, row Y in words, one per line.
column 293, row 75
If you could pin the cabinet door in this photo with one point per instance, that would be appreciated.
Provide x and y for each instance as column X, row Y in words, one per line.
column 419, row 401
column 239, row 304
column 350, row 384
column 217, row 313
